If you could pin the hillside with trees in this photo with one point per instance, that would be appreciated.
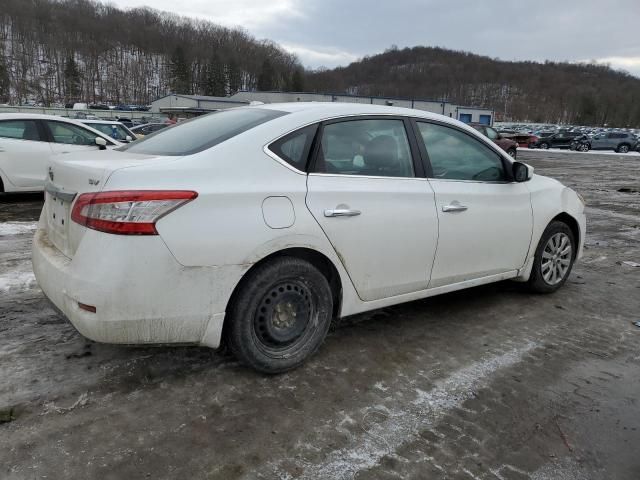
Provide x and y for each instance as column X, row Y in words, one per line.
column 63, row 51
column 549, row 92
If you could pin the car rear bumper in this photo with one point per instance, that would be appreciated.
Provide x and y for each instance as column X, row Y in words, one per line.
column 141, row 294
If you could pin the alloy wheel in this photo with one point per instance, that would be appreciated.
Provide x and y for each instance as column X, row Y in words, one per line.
column 556, row 258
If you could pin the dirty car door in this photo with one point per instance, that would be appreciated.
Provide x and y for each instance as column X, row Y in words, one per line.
column 367, row 192
column 485, row 219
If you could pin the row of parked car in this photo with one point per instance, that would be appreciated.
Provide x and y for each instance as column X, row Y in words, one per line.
column 28, row 140
column 581, row 139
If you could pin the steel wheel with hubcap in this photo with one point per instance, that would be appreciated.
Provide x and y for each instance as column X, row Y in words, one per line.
column 553, row 259
column 280, row 315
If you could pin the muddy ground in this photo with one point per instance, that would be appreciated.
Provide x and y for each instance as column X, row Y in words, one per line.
column 489, row 383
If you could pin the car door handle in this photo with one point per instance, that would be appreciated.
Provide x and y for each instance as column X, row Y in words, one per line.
column 454, row 207
column 341, row 212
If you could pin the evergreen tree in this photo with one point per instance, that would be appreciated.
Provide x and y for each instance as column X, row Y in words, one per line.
column 297, row 81
column 266, row 79
column 72, row 80
column 215, row 83
column 234, row 76
column 179, row 71
column 5, row 85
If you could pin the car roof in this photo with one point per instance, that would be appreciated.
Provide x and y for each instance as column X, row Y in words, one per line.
column 37, row 116
column 318, row 111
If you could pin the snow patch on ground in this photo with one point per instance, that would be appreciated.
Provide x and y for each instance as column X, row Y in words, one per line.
column 17, row 228
column 564, row 469
column 573, row 152
column 401, row 424
column 18, row 278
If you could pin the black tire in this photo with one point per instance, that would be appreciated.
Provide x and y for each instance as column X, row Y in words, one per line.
column 537, row 282
column 585, row 147
column 512, row 152
column 280, row 315
column 544, row 146
column 624, row 148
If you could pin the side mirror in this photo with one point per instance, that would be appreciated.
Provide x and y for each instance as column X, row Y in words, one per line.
column 522, row 172
column 101, row 143
column 128, row 138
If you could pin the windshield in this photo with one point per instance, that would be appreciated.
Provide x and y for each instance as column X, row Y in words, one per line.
column 198, row 134
column 117, row 132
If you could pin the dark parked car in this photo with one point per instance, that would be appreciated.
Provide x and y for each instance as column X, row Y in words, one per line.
column 507, row 144
column 621, row 142
column 556, row 140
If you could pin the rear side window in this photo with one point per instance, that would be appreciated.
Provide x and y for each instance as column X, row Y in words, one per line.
column 20, row 129
column 198, row 134
column 294, row 148
column 71, row 134
column 369, row 147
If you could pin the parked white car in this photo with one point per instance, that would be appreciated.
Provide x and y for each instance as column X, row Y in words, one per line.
column 261, row 224
column 27, row 141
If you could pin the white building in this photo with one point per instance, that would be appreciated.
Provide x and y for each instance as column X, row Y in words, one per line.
column 197, row 104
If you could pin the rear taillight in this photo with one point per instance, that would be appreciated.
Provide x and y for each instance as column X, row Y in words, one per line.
column 127, row 212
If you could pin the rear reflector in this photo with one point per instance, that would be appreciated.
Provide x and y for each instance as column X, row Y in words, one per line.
column 127, row 212
column 88, row 308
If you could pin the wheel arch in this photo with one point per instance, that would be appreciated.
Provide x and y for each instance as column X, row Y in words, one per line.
column 572, row 223
column 314, row 257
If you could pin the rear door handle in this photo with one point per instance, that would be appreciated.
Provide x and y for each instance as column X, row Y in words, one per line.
column 341, row 212
column 454, row 207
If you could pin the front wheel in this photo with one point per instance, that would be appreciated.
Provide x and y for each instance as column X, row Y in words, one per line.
column 544, row 146
column 512, row 152
column 280, row 315
column 584, row 147
column 553, row 259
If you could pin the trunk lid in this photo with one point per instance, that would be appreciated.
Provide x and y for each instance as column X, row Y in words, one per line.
column 69, row 176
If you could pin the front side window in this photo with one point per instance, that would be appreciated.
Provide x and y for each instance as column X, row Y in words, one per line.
column 71, row 134
column 294, row 148
column 373, row 147
column 20, row 130
column 198, row 134
column 457, row 156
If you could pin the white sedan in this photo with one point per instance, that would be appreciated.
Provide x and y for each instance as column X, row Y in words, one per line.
column 259, row 225
column 27, row 141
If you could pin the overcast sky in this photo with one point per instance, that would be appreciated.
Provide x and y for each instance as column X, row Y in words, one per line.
column 336, row 32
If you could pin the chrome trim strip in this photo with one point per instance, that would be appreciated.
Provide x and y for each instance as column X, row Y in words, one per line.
column 58, row 193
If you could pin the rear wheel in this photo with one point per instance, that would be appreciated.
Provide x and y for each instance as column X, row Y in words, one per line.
column 544, row 146
column 583, row 147
column 512, row 152
column 280, row 315
column 624, row 148
column 553, row 259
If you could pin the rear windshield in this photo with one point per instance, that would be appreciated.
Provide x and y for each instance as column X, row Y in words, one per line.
column 200, row 133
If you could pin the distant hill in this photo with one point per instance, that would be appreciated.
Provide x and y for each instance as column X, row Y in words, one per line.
column 549, row 92
column 59, row 51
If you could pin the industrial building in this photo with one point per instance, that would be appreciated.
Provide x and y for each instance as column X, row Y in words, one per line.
column 198, row 104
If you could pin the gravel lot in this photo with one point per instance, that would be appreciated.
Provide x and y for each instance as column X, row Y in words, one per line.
column 489, row 383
